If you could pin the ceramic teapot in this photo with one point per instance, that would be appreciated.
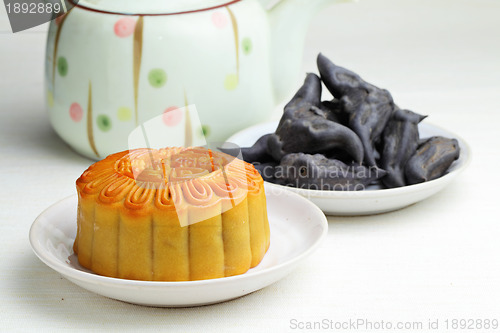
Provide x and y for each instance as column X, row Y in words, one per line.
column 113, row 65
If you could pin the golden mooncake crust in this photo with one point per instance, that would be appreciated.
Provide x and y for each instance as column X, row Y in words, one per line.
column 173, row 214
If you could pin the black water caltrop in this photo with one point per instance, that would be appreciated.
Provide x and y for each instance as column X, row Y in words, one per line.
column 432, row 159
column 258, row 152
column 399, row 142
column 305, row 127
column 369, row 107
column 320, row 173
column 308, row 94
column 359, row 138
column 267, row 170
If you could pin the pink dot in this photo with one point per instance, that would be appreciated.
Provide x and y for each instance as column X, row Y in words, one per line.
column 172, row 116
column 220, row 19
column 76, row 112
column 124, row 27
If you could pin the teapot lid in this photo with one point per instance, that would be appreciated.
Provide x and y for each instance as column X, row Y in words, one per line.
column 152, row 7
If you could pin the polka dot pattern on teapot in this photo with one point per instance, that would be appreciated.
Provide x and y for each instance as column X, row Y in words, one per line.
column 124, row 27
column 76, row 112
column 148, row 74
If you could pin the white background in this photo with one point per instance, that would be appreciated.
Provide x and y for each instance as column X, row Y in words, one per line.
column 438, row 259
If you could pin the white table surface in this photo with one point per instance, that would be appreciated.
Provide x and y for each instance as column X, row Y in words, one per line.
column 436, row 260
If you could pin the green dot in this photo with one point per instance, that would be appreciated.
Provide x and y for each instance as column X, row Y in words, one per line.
column 62, row 66
column 104, row 123
column 231, row 82
column 157, row 77
column 124, row 113
column 246, row 44
column 205, row 131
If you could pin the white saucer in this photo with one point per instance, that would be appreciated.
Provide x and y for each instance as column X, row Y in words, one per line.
column 374, row 200
column 297, row 229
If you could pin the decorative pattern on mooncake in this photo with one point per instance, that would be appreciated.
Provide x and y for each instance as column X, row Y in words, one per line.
column 173, row 214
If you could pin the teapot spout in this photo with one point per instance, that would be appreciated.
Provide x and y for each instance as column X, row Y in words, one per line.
column 289, row 20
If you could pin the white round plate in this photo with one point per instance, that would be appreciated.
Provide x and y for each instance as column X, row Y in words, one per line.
column 373, row 200
column 297, row 228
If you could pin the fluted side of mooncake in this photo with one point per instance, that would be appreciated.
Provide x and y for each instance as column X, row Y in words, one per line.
column 174, row 214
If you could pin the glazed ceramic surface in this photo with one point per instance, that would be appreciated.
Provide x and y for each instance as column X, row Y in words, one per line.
column 111, row 67
column 297, row 229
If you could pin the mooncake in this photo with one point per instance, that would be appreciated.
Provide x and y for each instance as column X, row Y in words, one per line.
column 172, row 214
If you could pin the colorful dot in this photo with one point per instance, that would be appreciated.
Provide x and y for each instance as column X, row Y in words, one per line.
column 124, row 27
column 103, row 122
column 76, row 112
column 62, row 66
column 124, row 113
column 172, row 116
column 157, row 77
column 205, row 131
column 231, row 82
column 50, row 99
column 246, row 44
column 220, row 19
